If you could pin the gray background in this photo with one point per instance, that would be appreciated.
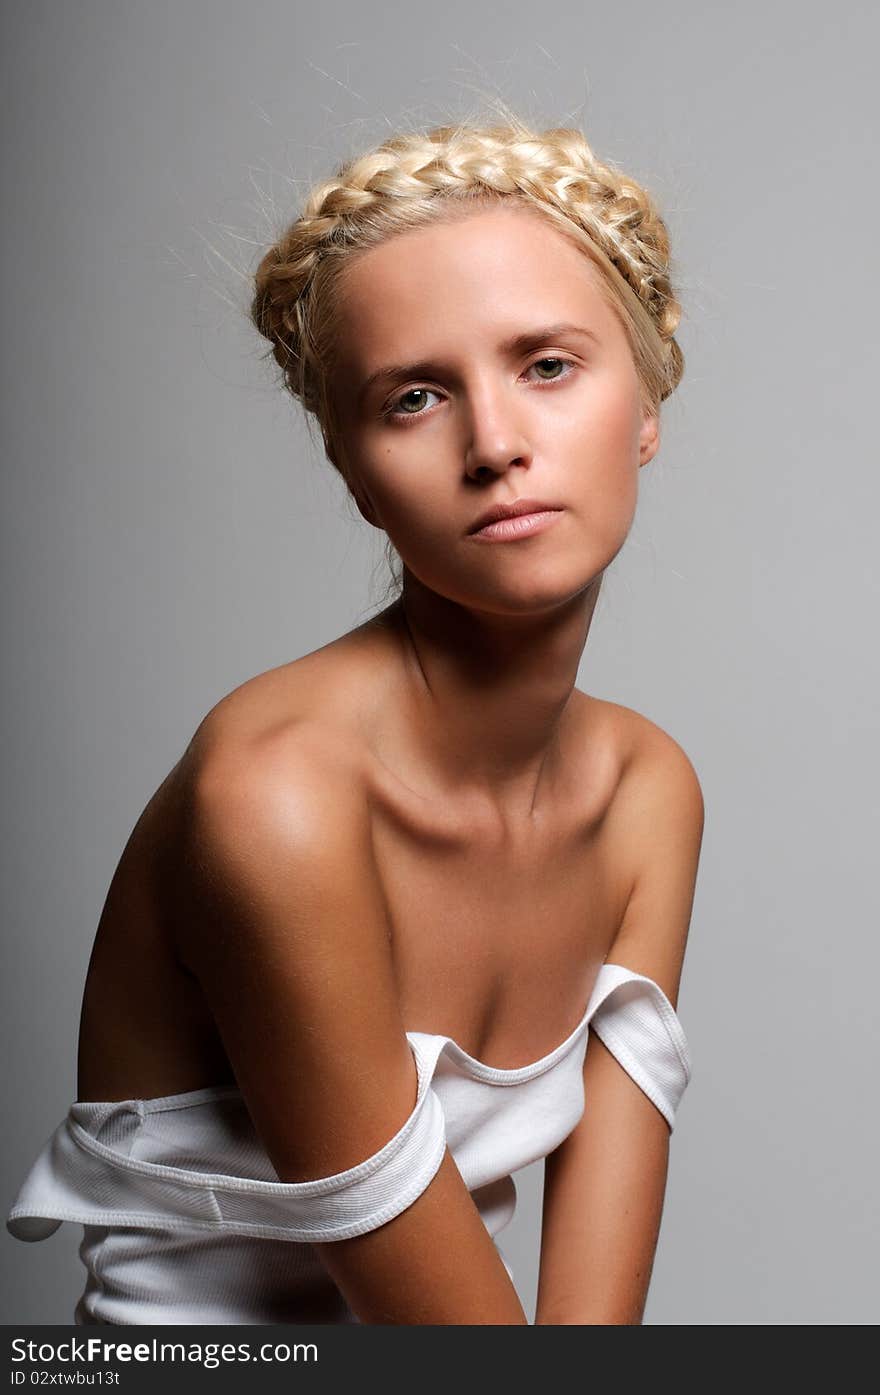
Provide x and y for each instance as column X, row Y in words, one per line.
column 170, row 529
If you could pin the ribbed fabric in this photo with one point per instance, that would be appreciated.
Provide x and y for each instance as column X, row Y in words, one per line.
column 184, row 1217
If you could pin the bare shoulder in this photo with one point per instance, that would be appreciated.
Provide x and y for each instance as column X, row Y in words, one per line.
column 650, row 761
column 268, row 808
column 268, row 753
column 655, row 824
column 284, row 928
column 286, row 739
column 271, row 797
column 331, row 685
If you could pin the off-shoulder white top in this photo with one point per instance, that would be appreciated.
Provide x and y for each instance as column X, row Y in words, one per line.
column 185, row 1219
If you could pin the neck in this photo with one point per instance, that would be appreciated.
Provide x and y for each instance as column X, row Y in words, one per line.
column 487, row 695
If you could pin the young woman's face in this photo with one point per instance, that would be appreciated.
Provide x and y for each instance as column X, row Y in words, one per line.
column 480, row 364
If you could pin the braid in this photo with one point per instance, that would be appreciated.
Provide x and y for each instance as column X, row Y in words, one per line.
column 398, row 186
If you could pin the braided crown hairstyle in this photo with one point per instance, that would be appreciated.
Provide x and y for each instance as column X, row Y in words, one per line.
column 415, row 178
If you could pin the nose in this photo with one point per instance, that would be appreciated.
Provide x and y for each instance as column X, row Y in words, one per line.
column 496, row 439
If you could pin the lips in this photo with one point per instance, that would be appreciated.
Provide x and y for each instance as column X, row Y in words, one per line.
column 524, row 525
column 514, row 509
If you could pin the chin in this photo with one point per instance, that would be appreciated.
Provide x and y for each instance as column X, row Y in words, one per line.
column 528, row 594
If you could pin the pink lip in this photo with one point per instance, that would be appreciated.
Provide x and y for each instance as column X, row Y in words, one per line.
column 522, row 526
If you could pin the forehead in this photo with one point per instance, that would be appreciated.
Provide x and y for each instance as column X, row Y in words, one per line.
column 487, row 274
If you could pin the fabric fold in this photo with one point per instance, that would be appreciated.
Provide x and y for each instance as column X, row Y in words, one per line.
column 633, row 1017
column 185, row 1219
column 78, row 1177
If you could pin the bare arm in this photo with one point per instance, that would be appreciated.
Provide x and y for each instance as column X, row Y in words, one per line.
column 605, row 1184
column 289, row 940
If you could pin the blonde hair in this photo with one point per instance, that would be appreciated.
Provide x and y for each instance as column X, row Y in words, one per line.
column 416, row 178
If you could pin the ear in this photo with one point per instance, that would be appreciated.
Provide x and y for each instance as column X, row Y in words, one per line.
column 649, row 437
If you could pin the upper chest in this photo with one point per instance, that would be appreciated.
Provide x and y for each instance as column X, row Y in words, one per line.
column 497, row 935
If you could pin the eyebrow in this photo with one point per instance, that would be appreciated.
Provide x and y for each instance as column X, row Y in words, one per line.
column 516, row 343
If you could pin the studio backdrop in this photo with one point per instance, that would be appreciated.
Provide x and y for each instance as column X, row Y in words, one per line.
column 171, row 528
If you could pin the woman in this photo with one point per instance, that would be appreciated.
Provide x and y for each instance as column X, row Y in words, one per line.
column 344, row 980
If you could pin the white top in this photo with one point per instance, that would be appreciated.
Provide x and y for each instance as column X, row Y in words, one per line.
column 184, row 1217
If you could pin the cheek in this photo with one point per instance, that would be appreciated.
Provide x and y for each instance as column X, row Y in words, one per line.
column 408, row 490
column 602, row 458
column 605, row 437
column 418, row 520
column 616, row 419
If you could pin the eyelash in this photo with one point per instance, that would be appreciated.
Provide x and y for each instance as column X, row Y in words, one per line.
column 390, row 414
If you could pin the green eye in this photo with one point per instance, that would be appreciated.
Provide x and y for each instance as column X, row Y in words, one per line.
column 413, row 402
column 553, row 362
column 398, row 407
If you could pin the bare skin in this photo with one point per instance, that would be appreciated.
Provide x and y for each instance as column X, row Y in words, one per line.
column 497, row 934
column 497, row 811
